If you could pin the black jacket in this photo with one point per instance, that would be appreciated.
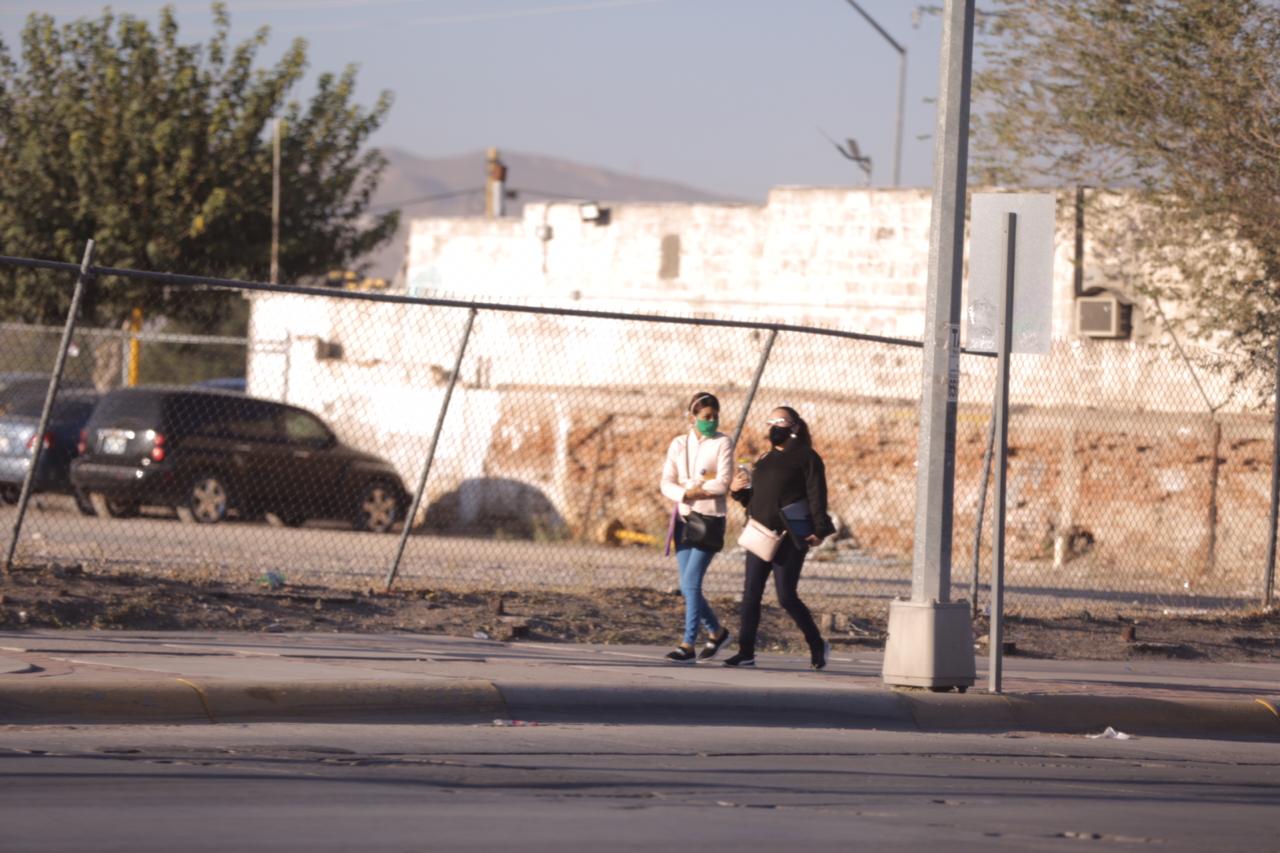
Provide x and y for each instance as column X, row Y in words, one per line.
column 782, row 477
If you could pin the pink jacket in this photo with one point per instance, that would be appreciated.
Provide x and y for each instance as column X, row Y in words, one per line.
column 693, row 460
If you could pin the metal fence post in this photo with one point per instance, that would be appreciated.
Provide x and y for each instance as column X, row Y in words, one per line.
column 431, row 451
column 995, row 635
column 755, row 385
column 982, row 512
column 1269, row 573
column 55, row 380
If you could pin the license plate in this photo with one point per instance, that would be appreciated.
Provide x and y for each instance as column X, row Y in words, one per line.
column 115, row 443
column 4, row 444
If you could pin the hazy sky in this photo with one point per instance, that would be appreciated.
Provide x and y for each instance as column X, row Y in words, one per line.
column 728, row 95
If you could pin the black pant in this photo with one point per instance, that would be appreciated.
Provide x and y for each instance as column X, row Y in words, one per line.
column 786, row 567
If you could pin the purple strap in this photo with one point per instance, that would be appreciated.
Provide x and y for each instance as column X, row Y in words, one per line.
column 671, row 528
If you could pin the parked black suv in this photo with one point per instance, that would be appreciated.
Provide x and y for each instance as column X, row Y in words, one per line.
column 212, row 453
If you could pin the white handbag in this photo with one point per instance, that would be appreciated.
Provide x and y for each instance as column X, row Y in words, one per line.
column 760, row 540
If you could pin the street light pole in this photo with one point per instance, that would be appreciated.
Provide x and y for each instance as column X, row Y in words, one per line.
column 902, row 99
column 930, row 637
column 275, row 204
column 902, row 88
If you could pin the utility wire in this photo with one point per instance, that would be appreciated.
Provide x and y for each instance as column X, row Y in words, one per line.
column 550, row 194
column 427, row 199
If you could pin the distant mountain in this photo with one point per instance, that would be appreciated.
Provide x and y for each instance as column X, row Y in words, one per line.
column 451, row 186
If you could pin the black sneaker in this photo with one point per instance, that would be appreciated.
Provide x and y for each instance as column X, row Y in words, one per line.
column 818, row 659
column 741, row 660
column 681, row 655
column 713, row 645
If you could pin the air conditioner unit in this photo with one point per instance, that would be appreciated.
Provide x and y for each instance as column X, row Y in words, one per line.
column 328, row 350
column 1103, row 316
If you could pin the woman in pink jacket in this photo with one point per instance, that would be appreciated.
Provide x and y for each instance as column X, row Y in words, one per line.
column 696, row 476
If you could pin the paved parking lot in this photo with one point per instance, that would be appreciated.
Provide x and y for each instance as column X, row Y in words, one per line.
column 332, row 553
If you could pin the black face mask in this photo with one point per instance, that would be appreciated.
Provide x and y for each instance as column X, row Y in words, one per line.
column 779, row 434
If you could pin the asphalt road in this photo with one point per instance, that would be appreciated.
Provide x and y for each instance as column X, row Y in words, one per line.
column 321, row 787
column 333, row 553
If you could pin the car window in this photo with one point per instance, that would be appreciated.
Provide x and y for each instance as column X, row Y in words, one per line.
column 303, row 428
column 249, row 419
column 128, row 408
column 75, row 411
column 29, row 406
column 16, row 397
column 193, row 414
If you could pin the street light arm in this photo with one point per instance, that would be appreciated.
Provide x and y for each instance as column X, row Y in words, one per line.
column 881, row 30
column 902, row 88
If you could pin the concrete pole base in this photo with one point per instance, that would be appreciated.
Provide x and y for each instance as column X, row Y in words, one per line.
column 930, row 645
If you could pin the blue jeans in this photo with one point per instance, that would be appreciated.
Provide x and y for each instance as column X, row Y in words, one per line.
column 693, row 564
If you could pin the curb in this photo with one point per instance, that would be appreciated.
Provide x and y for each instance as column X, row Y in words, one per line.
column 186, row 700
column 1078, row 713
column 707, row 705
column 479, row 700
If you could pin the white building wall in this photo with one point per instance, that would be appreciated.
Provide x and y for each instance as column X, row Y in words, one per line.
column 851, row 258
column 846, row 258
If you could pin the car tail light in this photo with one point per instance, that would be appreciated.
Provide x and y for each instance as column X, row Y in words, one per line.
column 157, row 447
column 82, row 446
column 48, row 441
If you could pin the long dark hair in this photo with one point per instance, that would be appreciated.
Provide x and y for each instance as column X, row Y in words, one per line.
column 703, row 399
column 800, row 428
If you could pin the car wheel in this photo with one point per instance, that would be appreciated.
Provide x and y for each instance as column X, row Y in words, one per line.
column 208, row 499
column 378, row 508
column 9, row 494
column 83, row 503
column 291, row 519
column 122, row 509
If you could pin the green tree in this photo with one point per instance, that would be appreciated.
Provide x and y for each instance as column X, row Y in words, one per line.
column 1177, row 102
column 161, row 151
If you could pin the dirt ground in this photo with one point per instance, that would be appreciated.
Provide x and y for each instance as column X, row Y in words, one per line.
column 53, row 596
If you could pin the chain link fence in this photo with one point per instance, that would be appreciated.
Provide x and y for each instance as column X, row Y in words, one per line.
column 1136, row 481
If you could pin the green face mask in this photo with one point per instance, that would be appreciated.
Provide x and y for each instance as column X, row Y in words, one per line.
column 706, row 428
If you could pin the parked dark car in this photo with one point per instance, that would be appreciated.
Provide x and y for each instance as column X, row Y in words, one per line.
column 19, row 423
column 214, row 453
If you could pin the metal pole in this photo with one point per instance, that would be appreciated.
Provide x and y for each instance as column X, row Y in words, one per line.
column 935, row 481
column 431, row 450
column 982, row 509
column 275, row 205
column 902, row 87
column 995, row 669
column 902, row 99
column 930, row 642
column 755, row 384
column 55, row 380
column 1269, row 576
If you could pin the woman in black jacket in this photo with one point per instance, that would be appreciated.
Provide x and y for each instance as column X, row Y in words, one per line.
column 790, row 473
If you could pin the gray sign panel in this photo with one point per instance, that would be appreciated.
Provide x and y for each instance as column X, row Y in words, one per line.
column 1033, row 271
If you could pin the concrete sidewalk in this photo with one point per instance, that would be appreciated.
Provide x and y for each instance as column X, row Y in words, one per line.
column 110, row 677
